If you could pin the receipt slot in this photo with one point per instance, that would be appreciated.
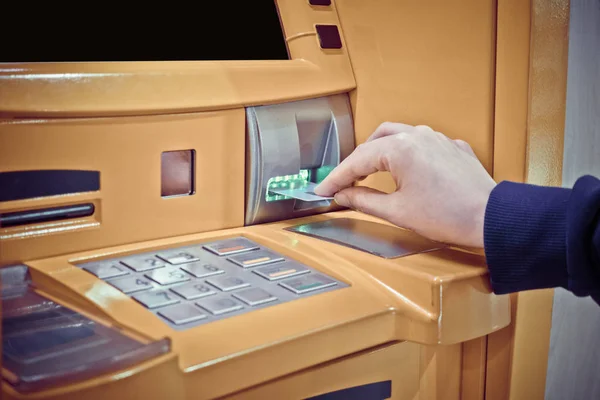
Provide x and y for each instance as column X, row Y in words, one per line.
column 290, row 146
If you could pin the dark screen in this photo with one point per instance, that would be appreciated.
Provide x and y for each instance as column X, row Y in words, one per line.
column 152, row 31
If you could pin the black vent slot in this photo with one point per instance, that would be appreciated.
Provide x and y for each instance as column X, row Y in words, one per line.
column 21, row 185
column 45, row 215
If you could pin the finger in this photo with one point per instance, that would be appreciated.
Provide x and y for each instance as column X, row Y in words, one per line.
column 363, row 161
column 389, row 128
column 465, row 147
column 423, row 128
column 366, row 200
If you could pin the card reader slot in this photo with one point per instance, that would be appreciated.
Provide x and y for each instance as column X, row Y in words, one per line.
column 291, row 146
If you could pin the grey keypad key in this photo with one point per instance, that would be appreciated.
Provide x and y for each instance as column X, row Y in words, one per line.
column 142, row 264
column 177, row 257
column 308, row 283
column 194, row 290
column 182, row 314
column 106, row 270
column 279, row 271
column 202, row 270
column 230, row 246
column 131, row 284
column 228, row 282
column 157, row 298
column 220, row 305
column 255, row 258
column 168, row 276
column 254, row 296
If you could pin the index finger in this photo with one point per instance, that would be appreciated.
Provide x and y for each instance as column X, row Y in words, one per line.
column 363, row 161
column 389, row 128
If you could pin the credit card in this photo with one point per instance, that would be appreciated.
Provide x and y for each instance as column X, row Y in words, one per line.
column 305, row 193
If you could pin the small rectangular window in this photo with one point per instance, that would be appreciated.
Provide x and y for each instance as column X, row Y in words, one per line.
column 177, row 173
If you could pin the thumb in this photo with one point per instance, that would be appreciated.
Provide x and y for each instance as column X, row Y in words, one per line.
column 366, row 200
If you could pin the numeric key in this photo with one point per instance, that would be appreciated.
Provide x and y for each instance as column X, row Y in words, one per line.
column 107, row 270
column 156, row 299
column 131, row 284
column 168, row 276
column 202, row 270
column 142, row 264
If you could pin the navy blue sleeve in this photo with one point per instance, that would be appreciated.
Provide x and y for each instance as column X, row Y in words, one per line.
column 544, row 237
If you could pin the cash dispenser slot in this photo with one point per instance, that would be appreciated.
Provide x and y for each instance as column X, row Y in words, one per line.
column 291, row 148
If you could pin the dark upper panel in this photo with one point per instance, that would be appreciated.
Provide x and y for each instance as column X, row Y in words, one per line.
column 164, row 31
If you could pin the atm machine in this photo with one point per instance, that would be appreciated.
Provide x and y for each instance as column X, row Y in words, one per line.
column 149, row 248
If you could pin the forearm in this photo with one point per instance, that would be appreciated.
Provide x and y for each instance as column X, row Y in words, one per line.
column 541, row 237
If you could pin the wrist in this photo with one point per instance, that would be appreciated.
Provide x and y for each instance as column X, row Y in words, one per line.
column 479, row 216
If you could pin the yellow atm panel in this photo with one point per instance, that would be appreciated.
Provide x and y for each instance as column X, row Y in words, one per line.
column 149, row 249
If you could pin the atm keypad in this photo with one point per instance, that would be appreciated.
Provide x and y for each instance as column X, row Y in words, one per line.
column 197, row 284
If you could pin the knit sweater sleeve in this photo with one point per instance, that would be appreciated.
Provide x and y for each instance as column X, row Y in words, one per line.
column 544, row 237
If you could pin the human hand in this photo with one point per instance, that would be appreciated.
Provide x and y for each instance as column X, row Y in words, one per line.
column 441, row 187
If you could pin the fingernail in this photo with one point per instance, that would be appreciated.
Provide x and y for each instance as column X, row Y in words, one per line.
column 341, row 199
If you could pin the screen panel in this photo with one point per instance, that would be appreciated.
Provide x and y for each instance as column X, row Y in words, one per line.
column 207, row 31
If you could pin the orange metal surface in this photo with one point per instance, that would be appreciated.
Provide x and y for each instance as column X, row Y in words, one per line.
column 449, row 303
column 422, row 321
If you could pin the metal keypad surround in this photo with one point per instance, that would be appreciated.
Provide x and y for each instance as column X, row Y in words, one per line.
column 198, row 284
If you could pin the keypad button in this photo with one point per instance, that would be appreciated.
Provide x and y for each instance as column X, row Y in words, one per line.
column 142, row 264
column 194, row 290
column 177, row 257
column 308, row 283
column 254, row 296
column 255, row 258
column 155, row 299
column 280, row 271
column 168, row 276
column 182, row 314
column 220, row 305
column 106, row 270
column 202, row 270
column 131, row 284
column 228, row 282
column 231, row 246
